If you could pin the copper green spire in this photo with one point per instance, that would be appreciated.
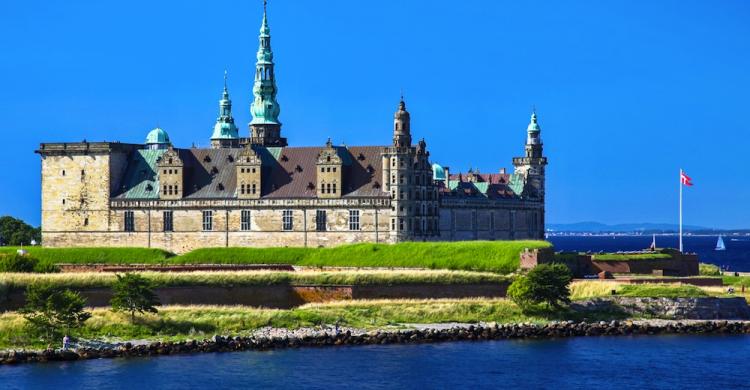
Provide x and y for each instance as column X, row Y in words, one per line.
column 265, row 126
column 225, row 127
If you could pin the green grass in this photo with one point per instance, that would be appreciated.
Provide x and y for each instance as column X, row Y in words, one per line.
column 708, row 270
column 630, row 256
column 95, row 255
column 661, row 291
column 184, row 322
column 736, row 281
column 13, row 281
column 492, row 256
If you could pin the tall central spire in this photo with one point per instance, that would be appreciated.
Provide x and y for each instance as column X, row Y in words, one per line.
column 265, row 128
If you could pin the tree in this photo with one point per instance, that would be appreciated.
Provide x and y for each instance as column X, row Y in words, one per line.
column 133, row 293
column 52, row 311
column 545, row 283
column 14, row 231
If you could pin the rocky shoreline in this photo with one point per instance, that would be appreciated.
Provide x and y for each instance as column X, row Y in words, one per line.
column 270, row 338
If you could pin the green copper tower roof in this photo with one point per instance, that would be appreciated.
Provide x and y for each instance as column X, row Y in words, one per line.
column 265, row 109
column 157, row 136
column 224, row 127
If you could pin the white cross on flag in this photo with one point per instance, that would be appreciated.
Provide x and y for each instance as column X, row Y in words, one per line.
column 685, row 179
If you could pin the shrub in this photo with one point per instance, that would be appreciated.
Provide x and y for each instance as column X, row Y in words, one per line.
column 545, row 283
column 17, row 263
column 14, row 262
column 133, row 293
column 708, row 269
column 52, row 312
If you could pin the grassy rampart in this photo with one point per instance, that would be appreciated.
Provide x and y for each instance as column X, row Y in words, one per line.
column 630, row 256
column 95, row 255
column 253, row 278
column 492, row 256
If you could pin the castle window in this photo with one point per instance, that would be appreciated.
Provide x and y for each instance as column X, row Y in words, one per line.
column 322, row 170
column 328, row 188
column 242, row 189
column 334, row 169
column 286, row 220
column 353, row 219
column 85, row 222
column 129, row 221
column 245, row 220
column 253, row 170
column 320, row 220
column 393, row 223
column 176, row 190
column 253, row 190
column 334, row 188
column 83, row 172
column 63, row 172
column 63, row 201
column 168, row 225
column 400, row 224
column 208, row 220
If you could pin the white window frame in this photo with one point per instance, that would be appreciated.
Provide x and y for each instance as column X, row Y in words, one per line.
column 245, row 218
column 354, row 220
column 287, row 220
column 208, row 220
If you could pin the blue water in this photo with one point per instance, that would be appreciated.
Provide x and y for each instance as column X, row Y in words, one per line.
column 657, row 362
column 736, row 257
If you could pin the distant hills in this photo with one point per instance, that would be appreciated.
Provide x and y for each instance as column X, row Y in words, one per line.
column 598, row 227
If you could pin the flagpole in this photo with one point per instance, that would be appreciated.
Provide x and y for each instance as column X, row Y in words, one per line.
column 680, row 181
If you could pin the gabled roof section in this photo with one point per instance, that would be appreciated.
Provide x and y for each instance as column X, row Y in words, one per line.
column 140, row 180
column 490, row 186
column 288, row 172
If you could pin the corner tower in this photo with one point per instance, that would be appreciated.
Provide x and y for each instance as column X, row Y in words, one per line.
column 265, row 128
column 225, row 133
column 532, row 165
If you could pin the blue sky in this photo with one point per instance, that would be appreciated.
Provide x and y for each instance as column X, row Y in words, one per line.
column 627, row 92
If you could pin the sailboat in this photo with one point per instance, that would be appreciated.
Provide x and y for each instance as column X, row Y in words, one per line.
column 720, row 244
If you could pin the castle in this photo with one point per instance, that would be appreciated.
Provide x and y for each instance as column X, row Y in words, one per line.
column 257, row 191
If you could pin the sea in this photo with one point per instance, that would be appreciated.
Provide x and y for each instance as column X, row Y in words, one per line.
column 608, row 362
column 736, row 257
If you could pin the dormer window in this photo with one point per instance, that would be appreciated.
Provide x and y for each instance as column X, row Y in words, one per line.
column 220, row 187
column 214, row 170
column 230, row 158
column 361, row 157
column 207, row 159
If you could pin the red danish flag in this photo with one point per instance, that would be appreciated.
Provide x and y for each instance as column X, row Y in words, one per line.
column 685, row 179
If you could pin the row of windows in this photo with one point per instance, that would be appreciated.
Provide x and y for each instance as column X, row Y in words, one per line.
column 326, row 188
column 247, row 170
column 168, row 171
column 287, row 220
column 327, row 169
column 248, row 188
column 171, row 189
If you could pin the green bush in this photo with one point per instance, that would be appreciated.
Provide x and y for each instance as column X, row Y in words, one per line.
column 545, row 283
column 133, row 293
column 708, row 269
column 17, row 263
column 52, row 312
